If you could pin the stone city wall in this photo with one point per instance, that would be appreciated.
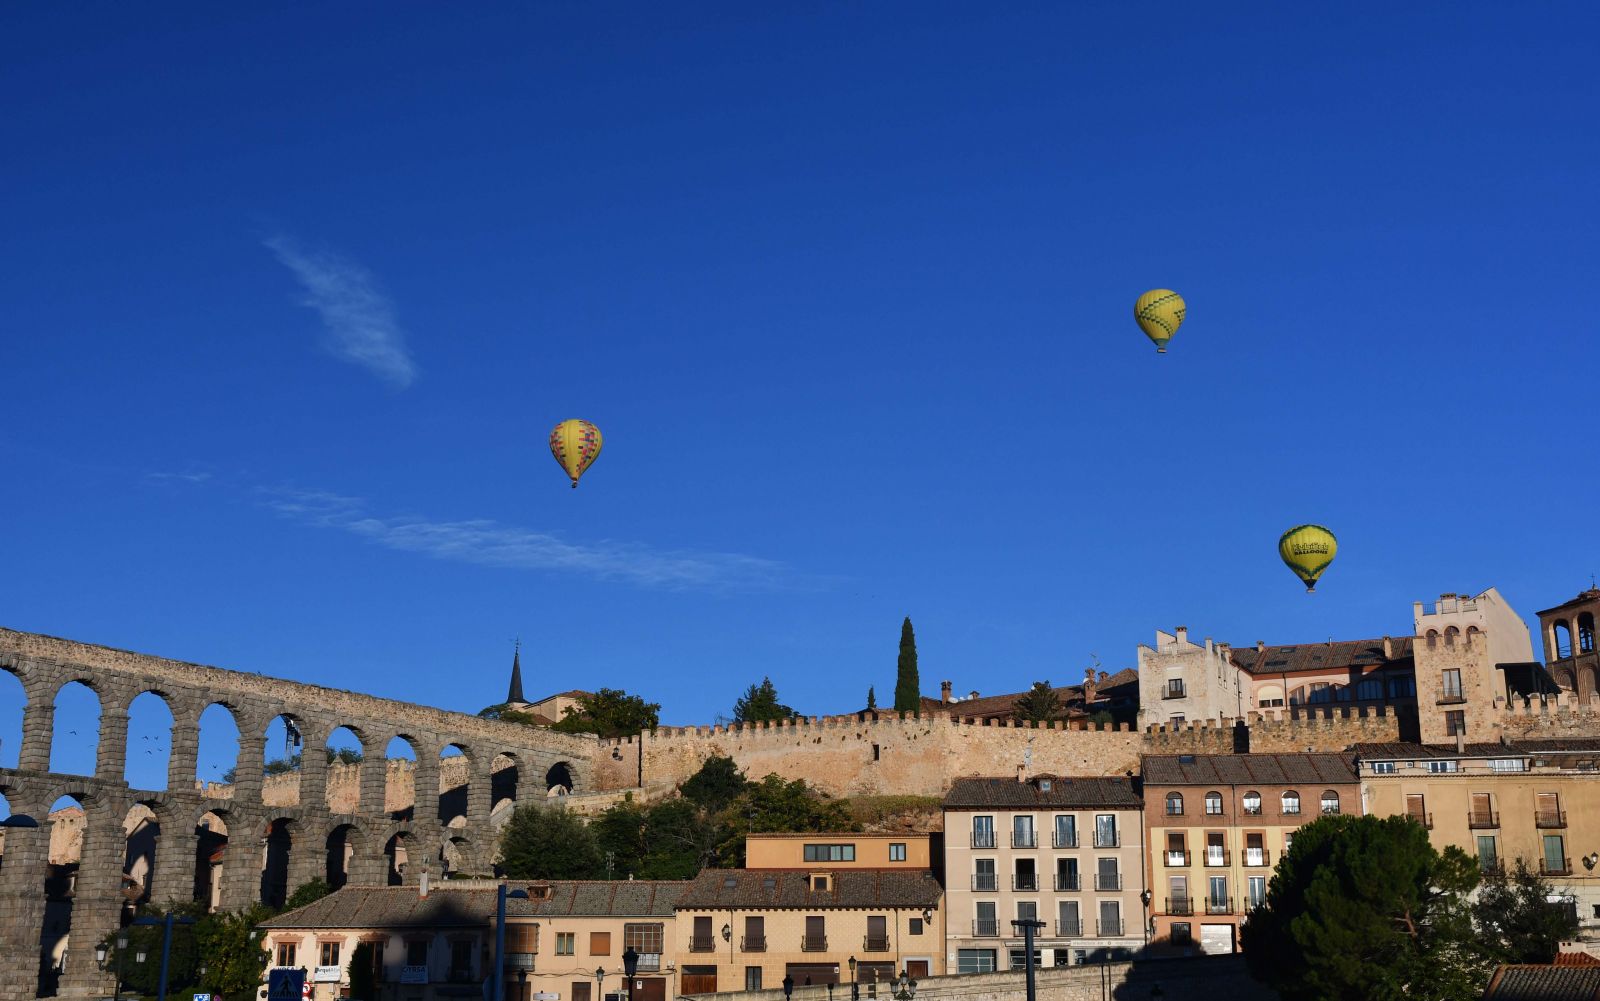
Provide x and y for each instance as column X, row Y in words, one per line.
column 1555, row 717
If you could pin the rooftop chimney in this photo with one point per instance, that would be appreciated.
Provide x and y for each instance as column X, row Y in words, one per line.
column 1388, row 648
column 972, row 694
column 1461, row 742
column 1261, row 646
column 1103, row 677
column 422, row 884
column 944, row 691
column 1182, row 633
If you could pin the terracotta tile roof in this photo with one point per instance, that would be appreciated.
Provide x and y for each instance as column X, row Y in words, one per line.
column 1544, row 983
column 1364, row 655
column 1583, row 598
column 447, row 907
column 1576, row 959
column 1005, row 703
column 982, row 793
column 780, row 888
column 618, row 898
column 1247, row 769
column 1397, row 751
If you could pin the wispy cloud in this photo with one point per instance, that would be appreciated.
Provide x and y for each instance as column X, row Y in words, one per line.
column 358, row 319
column 491, row 544
column 180, row 477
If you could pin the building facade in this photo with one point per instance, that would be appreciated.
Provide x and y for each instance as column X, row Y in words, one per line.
column 1463, row 647
column 1536, row 800
column 1065, row 851
column 1567, row 631
column 1184, row 682
column 1217, row 825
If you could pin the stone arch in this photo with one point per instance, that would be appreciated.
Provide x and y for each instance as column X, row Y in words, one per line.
column 344, row 848
column 400, row 777
column 399, row 852
column 149, row 743
column 13, row 707
column 68, row 825
column 504, row 778
column 141, row 833
column 346, row 753
column 75, row 730
column 1561, row 639
column 277, row 851
column 1451, row 633
column 1586, row 632
column 282, row 758
column 1432, row 638
column 455, row 783
column 211, row 839
column 1473, row 635
column 217, row 758
column 455, row 856
column 558, row 777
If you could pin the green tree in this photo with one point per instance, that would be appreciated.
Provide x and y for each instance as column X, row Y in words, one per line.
column 504, row 715
column 680, row 840
column 774, row 804
column 760, row 704
column 1365, row 908
column 907, row 687
column 620, row 833
column 1516, row 919
column 363, row 985
column 549, row 843
column 308, row 893
column 145, row 977
column 717, row 783
column 235, row 962
column 872, row 699
column 1039, row 704
column 610, row 712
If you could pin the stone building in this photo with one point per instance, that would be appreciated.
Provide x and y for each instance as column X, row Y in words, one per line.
column 1180, row 681
column 1569, row 647
column 1464, row 648
column 1537, row 800
column 1360, row 673
column 1065, row 851
column 1217, row 825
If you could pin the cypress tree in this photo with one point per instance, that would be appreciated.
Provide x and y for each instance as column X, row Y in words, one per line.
column 907, row 689
column 872, row 698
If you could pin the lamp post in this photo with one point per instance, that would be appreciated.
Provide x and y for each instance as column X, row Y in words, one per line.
column 600, row 983
column 522, row 983
column 122, row 949
column 855, row 988
column 1028, row 926
column 630, row 966
column 1149, row 919
column 166, row 944
column 499, row 974
column 906, row 987
column 788, row 986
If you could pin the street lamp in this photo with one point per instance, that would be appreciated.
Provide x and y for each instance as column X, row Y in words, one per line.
column 630, row 966
column 501, row 893
column 1028, row 926
column 600, row 983
column 907, row 985
column 522, row 981
column 788, row 986
column 855, row 988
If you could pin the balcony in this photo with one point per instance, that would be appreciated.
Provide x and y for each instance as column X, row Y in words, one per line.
column 1218, row 857
column 1257, row 857
column 1425, row 819
column 1105, row 927
column 1066, row 881
column 520, row 960
column 1219, row 905
column 986, row 928
column 1105, row 839
column 752, row 943
column 985, row 882
column 1490, row 865
column 1024, row 839
column 1176, row 858
column 1180, row 905
column 983, row 839
column 870, row 944
column 702, row 943
column 1483, row 819
column 1550, row 818
column 1108, row 881
column 1025, row 881
column 813, row 943
column 1555, row 867
column 1065, row 839
column 1069, row 929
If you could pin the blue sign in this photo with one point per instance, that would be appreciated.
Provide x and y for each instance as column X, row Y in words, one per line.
column 286, row 984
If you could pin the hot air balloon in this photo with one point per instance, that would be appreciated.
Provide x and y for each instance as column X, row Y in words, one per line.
column 1160, row 314
column 1307, row 550
column 575, row 444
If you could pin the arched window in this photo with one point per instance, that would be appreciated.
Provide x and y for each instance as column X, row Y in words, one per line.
column 1252, row 803
column 1174, row 804
column 1433, row 638
column 1298, row 697
column 1586, row 632
column 1561, row 638
column 1450, row 635
column 1213, row 804
column 1369, row 689
column 1291, row 803
column 1330, row 801
column 1473, row 633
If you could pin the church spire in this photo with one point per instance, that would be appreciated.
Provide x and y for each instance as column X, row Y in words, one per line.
column 515, row 695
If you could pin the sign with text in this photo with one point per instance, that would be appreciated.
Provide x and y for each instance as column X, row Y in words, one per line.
column 413, row 974
column 327, row 974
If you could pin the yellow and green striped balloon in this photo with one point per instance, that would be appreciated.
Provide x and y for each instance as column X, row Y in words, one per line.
column 575, row 444
column 1160, row 313
column 1307, row 550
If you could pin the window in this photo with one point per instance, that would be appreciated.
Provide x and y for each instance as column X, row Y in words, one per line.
column 330, row 954
column 377, row 959
column 599, row 943
column 1288, row 841
column 1488, row 855
column 819, row 883
column 1417, row 809
column 830, row 853
column 646, row 940
column 1383, row 768
column 755, row 934
column 1110, row 917
column 1440, row 767
column 1554, row 861
column 1216, row 848
column 1019, row 959
column 914, row 926
column 1067, row 922
column 1482, row 812
column 1174, row 804
column 975, row 960
column 1177, row 719
column 1508, row 765
column 1177, row 851
column 1291, row 803
column 815, row 938
column 1181, row 934
column 1258, row 891
column 1252, row 803
column 984, row 921
column 1450, row 684
column 286, row 951
column 877, row 753
column 1402, row 686
column 1455, row 722
column 752, row 978
column 1105, row 830
column 983, row 832
column 1320, row 692
column 983, row 875
column 1369, row 689
column 1213, row 804
column 1547, row 810
column 1330, row 801
column 897, row 851
column 1585, row 632
column 1174, row 688
column 1217, row 895
column 461, row 959
column 580, row 990
column 416, row 952
column 1107, row 876
column 1255, row 849
column 1066, row 831
column 1022, row 832
column 566, row 943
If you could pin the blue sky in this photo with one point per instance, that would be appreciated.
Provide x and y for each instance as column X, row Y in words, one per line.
column 291, row 297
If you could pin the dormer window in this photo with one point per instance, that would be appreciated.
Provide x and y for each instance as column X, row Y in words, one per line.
column 819, row 882
column 1044, row 785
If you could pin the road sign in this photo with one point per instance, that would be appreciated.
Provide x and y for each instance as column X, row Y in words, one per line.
column 286, row 984
column 202, row 997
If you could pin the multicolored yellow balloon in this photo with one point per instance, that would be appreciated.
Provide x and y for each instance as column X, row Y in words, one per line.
column 1160, row 314
column 575, row 444
column 1307, row 550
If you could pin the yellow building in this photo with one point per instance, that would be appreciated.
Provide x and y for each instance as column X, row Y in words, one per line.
column 842, row 851
column 578, row 931
column 1535, row 800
